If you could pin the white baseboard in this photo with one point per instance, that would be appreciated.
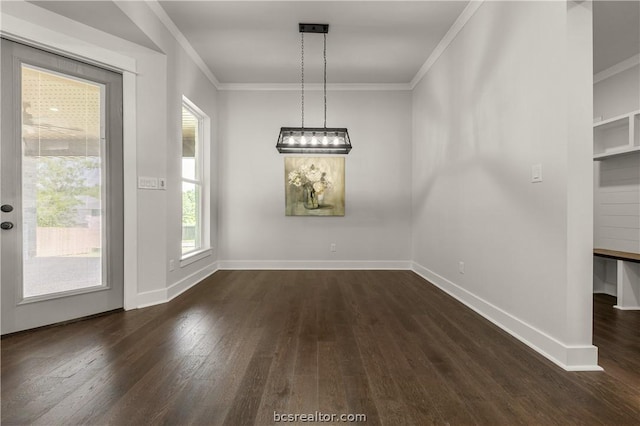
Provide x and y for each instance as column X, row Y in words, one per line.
column 570, row 358
column 627, row 308
column 150, row 298
column 156, row 297
column 314, row 264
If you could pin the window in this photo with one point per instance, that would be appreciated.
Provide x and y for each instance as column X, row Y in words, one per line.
column 195, row 220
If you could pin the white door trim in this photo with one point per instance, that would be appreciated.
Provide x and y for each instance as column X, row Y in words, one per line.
column 35, row 35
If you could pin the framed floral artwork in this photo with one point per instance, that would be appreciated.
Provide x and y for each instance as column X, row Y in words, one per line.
column 314, row 186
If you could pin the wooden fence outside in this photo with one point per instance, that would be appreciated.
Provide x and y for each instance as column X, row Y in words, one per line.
column 67, row 241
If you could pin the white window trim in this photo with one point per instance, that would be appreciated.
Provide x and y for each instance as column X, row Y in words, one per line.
column 203, row 154
column 194, row 256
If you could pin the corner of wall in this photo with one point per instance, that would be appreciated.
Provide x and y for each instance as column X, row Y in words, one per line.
column 570, row 358
column 164, row 295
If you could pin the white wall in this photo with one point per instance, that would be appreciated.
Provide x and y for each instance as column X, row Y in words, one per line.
column 161, row 156
column 617, row 203
column 375, row 231
column 491, row 107
column 160, row 81
column 618, row 94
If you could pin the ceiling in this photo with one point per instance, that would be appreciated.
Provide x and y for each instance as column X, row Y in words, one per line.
column 368, row 41
column 103, row 15
column 616, row 32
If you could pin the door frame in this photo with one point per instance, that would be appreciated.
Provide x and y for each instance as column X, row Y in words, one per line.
column 31, row 34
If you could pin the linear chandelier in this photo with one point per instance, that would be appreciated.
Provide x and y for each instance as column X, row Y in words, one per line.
column 313, row 140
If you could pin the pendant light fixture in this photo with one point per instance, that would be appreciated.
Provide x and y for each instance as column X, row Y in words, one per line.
column 313, row 140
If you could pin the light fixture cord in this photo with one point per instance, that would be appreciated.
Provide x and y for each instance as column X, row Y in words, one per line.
column 325, row 80
column 302, row 74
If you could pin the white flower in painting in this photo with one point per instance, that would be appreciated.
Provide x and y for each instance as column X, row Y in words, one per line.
column 311, row 177
column 314, row 174
column 295, row 179
column 319, row 187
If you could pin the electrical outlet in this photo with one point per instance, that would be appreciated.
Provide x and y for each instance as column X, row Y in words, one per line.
column 332, row 247
column 461, row 267
column 162, row 183
column 172, row 265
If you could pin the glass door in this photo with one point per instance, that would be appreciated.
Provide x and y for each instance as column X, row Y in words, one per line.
column 62, row 183
column 61, row 157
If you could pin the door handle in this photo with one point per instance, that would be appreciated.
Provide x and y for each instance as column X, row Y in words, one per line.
column 6, row 208
column 6, row 225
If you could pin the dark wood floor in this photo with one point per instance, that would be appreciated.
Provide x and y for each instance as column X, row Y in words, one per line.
column 616, row 333
column 244, row 344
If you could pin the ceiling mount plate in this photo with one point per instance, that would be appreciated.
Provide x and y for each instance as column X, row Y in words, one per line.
column 313, row 28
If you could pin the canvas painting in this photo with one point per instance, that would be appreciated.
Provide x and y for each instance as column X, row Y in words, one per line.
column 314, row 186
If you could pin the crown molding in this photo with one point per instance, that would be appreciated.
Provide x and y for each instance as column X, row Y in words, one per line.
column 314, row 87
column 457, row 26
column 617, row 68
column 448, row 38
column 182, row 40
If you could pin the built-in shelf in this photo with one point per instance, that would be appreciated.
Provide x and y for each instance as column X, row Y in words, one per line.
column 623, row 151
column 616, row 136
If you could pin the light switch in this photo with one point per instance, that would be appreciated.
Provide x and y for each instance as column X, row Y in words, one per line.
column 146, row 182
column 536, row 173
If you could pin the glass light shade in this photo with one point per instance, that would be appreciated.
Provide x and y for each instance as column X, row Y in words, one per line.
column 295, row 140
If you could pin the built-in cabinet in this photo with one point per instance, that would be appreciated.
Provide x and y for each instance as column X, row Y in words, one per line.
column 616, row 151
column 616, row 136
column 616, row 172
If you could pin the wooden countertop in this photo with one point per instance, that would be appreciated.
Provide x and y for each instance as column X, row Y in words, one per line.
column 613, row 254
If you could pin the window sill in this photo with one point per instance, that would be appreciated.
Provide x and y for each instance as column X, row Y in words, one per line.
column 192, row 257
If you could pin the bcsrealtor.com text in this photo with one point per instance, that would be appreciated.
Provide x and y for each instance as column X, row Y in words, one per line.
column 318, row 417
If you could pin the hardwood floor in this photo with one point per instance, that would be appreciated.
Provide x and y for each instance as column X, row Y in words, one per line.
column 245, row 344
column 616, row 333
